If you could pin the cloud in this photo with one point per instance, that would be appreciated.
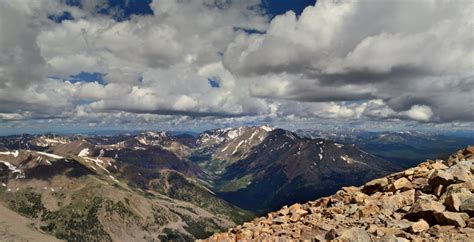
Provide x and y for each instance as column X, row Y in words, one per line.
column 339, row 60
column 407, row 54
column 419, row 113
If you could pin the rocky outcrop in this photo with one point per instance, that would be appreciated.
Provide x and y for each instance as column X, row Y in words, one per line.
column 431, row 201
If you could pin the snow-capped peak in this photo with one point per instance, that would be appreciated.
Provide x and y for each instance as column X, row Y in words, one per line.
column 266, row 127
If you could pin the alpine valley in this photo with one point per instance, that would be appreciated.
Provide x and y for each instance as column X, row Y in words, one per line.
column 162, row 186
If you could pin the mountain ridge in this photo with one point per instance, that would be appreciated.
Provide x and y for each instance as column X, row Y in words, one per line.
column 433, row 200
column 171, row 187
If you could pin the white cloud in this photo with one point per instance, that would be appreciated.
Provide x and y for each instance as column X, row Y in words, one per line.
column 403, row 52
column 342, row 60
column 419, row 113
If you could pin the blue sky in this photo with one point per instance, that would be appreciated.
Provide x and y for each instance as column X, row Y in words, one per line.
column 122, row 10
column 191, row 65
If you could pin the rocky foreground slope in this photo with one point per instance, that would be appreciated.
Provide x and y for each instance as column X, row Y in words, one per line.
column 433, row 201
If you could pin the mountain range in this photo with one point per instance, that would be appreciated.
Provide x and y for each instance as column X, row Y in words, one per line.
column 433, row 201
column 405, row 148
column 163, row 186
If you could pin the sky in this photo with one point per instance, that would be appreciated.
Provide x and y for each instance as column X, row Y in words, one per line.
column 84, row 65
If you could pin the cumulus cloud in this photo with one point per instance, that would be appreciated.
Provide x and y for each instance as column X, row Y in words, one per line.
column 408, row 54
column 340, row 60
column 419, row 113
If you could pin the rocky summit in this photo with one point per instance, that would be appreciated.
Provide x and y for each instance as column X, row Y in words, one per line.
column 433, row 201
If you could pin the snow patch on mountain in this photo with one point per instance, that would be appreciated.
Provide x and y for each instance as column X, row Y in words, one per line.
column 83, row 152
column 11, row 167
column 50, row 155
column 14, row 153
column 237, row 147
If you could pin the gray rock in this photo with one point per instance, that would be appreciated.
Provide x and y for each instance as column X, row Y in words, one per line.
column 468, row 206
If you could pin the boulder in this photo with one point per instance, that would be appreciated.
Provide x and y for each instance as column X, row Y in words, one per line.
column 461, row 175
column 438, row 190
column 425, row 209
column 330, row 235
column 244, row 235
column 398, row 201
column 409, row 172
column 438, row 165
column 440, row 177
column 468, row 150
column 468, row 206
column 392, row 238
column 280, row 220
column 351, row 210
column 322, row 202
column 295, row 206
column 470, row 223
column 419, row 182
column 419, row 226
column 284, row 211
column 438, row 230
column 399, row 224
column 451, row 218
column 452, row 202
column 455, row 196
column 367, row 210
column 325, row 226
column 359, row 198
column 402, row 183
column 462, row 190
column 354, row 235
column 375, row 185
